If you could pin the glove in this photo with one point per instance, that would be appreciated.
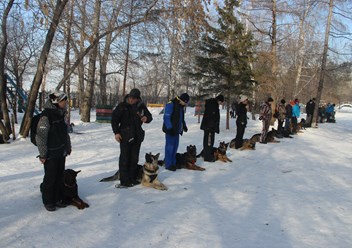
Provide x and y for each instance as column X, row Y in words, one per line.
column 185, row 129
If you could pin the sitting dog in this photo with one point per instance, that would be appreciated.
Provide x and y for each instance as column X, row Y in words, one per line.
column 247, row 144
column 188, row 159
column 71, row 189
column 220, row 152
column 301, row 125
column 150, row 172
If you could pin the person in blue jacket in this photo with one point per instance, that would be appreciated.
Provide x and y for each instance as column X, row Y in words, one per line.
column 174, row 125
column 296, row 112
column 330, row 113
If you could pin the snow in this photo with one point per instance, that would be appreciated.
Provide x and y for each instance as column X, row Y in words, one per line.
column 296, row 193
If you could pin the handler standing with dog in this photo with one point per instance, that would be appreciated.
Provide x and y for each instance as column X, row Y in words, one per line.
column 174, row 125
column 241, row 121
column 54, row 145
column 265, row 117
column 210, row 126
column 127, row 120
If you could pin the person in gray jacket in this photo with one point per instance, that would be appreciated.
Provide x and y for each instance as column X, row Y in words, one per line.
column 54, row 145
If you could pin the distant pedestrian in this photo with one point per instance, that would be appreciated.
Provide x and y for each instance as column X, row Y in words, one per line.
column 310, row 111
column 281, row 110
column 265, row 117
column 288, row 118
column 210, row 125
column 241, row 121
column 174, row 125
column 296, row 112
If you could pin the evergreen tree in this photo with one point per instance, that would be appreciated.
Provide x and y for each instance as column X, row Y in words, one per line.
column 223, row 63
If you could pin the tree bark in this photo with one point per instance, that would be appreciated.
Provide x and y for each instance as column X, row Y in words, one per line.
column 26, row 122
column 7, row 124
column 88, row 93
column 323, row 65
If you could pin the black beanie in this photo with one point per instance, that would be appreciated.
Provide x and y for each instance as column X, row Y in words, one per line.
column 220, row 98
column 184, row 97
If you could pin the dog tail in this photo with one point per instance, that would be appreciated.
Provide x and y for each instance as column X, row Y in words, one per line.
column 115, row 177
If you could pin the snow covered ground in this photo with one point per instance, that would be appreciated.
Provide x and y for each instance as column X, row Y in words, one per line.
column 293, row 194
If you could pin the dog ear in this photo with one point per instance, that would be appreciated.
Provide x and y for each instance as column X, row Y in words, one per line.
column 148, row 157
column 156, row 156
column 78, row 171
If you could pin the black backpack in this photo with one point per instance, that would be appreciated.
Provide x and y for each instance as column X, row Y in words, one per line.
column 34, row 125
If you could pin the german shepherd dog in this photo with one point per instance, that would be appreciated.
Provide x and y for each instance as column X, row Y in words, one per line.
column 248, row 144
column 188, row 159
column 71, row 189
column 301, row 125
column 270, row 137
column 220, row 152
column 150, row 172
column 147, row 174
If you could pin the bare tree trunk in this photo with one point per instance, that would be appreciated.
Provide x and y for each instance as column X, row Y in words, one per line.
column 67, row 85
column 105, row 57
column 7, row 124
column 89, row 91
column 301, row 45
column 323, row 65
column 126, row 62
column 26, row 122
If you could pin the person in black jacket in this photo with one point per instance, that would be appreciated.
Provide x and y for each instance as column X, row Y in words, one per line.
column 210, row 125
column 310, row 111
column 126, row 122
column 288, row 117
column 54, row 145
column 241, row 121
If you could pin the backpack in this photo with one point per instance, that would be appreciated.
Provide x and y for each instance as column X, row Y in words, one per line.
column 34, row 125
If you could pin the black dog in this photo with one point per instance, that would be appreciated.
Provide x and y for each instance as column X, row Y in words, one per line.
column 71, row 189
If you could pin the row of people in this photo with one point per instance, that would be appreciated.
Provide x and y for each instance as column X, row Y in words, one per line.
column 128, row 117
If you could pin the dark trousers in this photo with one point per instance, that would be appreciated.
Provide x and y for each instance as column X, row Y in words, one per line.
column 52, row 186
column 208, row 144
column 309, row 120
column 239, row 135
column 128, row 162
column 280, row 126
column 294, row 124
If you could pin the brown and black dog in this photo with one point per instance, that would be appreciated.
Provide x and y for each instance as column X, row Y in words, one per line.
column 71, row 189
column 147, row 174
column 220, row 152
column 270, row 137
column 188, row 159
column 248, row 144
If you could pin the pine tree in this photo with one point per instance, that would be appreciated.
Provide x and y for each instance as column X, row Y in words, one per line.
column 225, row 55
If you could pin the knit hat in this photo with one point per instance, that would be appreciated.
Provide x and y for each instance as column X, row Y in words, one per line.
column 135, row 93
column 270, row 99
column 57, row 96
column 184, row 97
column 243, row 98
column 220, row 98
